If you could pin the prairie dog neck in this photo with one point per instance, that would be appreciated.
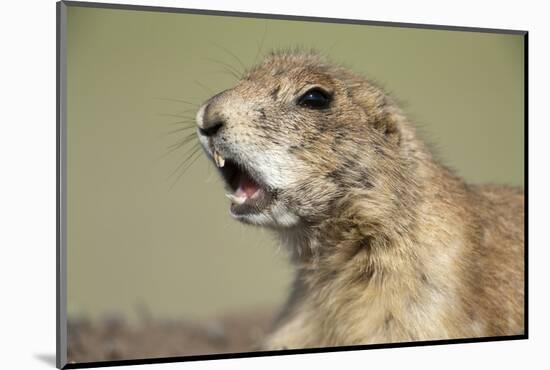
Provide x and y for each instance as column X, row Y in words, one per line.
column 388, row 263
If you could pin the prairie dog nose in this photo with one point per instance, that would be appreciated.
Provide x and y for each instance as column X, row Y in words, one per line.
column 209, row 119
column 209, row 123
column 210, row 129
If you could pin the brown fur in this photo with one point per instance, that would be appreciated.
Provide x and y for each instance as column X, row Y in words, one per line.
column 391, row 246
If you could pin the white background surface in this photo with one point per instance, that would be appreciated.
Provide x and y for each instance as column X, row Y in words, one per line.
column 27, row 183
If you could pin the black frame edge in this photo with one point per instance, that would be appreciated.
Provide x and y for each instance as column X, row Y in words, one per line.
column 159, row 360
column 61, row 265
column 526, row 181
column 288, row 17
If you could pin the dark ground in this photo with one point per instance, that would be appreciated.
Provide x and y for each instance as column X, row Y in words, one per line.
column 112, row 338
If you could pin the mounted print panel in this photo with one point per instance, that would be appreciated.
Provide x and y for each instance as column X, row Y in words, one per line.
column 237, row 184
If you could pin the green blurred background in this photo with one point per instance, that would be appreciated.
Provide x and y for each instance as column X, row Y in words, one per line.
column 140, row 238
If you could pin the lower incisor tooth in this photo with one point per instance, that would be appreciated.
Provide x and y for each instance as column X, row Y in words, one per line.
column 235, row 199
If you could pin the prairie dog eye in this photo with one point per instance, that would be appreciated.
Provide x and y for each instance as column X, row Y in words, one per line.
column 315, row 98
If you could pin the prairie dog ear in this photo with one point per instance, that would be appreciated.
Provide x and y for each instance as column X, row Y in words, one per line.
column 388, row 120
column 382, row 112
column 389, row 127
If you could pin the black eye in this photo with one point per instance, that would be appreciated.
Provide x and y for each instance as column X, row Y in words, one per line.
column 315, row 99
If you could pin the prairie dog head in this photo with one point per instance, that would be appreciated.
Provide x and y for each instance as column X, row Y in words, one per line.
column 295, row 135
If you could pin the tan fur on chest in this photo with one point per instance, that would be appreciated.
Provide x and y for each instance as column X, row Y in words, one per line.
column 453, row 274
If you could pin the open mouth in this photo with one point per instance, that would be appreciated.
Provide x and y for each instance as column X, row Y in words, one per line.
column 247, row 195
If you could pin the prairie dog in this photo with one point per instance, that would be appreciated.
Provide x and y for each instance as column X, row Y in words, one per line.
column 388, row 245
